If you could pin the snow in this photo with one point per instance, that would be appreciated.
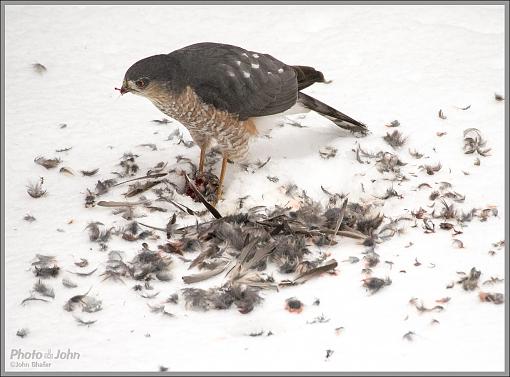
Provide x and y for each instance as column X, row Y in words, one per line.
column 386, row 63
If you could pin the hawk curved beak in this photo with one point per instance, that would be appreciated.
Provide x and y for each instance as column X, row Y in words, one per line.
column 123, row 89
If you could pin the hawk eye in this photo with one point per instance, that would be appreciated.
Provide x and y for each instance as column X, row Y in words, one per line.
column 141, row 83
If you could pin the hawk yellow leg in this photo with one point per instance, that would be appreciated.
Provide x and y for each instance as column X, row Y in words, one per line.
column 202, row 160
column 219, row 190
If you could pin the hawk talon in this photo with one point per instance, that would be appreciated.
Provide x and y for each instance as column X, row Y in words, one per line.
column 219, row 190
column 202, row 161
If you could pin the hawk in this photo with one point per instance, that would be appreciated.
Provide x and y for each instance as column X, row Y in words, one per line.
column 219, row 92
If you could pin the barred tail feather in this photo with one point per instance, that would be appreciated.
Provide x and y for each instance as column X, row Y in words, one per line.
column 340, row 119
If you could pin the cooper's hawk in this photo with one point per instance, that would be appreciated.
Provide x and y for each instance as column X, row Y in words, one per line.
column 219, row 91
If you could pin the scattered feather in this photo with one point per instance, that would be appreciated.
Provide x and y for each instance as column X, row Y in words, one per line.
column 431, row 169
column 39, row 68
column 161, row 121
column 352, row 260
column 66, row 171
column 98, row 233
column 409, row 336
column 374, row 284
column 33, row 299
column 46, row 271
column 29, row 218
column 69, row 283
column 493, row 280
column 91, row 304
column 82, row 263
column 319, row 319
column 83, row 274
column 458, row 244
column 388, row 162
column 422, row 309
column 443, row 300
column 415, row 154
column 395, row 139
column 48, row 163
column 394, row 123
column 35, row 190
column 138, row 188
column 129, row 165
column 89, row 173
column 173, row 299
column 63, row 150
column 245, row 298
column 150, row 145
column 22, row 332
column 474, row 142
column 43, row 289
column 470, row 281
column 496, row 298
column 102, row 187
column 327, row 152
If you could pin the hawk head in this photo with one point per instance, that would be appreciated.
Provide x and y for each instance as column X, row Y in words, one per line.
column 146, row 75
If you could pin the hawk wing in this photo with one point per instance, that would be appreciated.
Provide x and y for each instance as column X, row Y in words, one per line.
column 233, row 79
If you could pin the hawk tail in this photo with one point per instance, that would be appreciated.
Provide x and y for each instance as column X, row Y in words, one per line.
column 340, row 119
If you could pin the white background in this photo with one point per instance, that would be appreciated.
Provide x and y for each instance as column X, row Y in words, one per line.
column 386, row 63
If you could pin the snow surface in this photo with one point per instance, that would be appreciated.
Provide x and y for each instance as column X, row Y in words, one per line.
column 386, row 63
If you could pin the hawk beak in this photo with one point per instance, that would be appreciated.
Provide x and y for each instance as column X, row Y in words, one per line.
column 123, row 89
